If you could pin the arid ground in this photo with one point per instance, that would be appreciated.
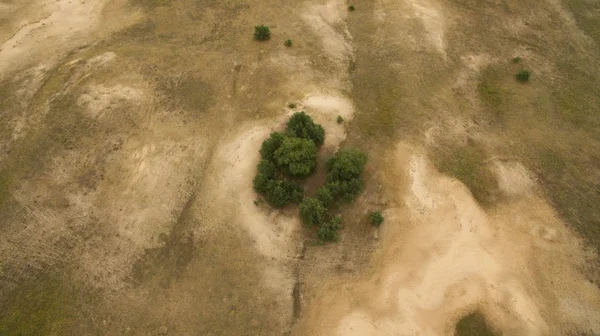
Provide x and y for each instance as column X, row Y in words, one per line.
column 129, row 137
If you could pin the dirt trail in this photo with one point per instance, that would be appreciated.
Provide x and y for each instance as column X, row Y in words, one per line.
column 443, row 256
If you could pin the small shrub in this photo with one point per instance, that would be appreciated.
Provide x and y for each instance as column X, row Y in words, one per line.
column 262, row 33
column 351, row 8
column 288, row 43
column 516, row 59
column 292, row 105
column 269, row 146
column 283, row 192
column 340, row 119
column 312, row 211
column 296, row 156
column 329, row 231
column 302, row 125
column 324, row 195
column 523, row 76
column 376, row 218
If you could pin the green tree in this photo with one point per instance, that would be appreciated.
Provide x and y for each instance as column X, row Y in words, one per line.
column 262, row 33
column 347, row 164
column 280, row 193
column 376, row 218
column 270, row 145
column 344, row 172
column 266, row 172
column 328, row 231
column 312, row 211
column 324, row 195
column 302, row 125
column 296, row 156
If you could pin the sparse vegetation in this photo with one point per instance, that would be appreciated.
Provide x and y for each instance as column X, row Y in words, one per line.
column 288, row 43
column 340, row 119
column 516, row 59
column 523, row 76
column 262, row 33
column 376, row 218
column 351, row 8
column 292, row 105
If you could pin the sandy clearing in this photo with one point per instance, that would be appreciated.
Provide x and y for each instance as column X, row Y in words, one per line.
column 518, row 263
column 326, row 21
column 53, row 28
column 433, row 22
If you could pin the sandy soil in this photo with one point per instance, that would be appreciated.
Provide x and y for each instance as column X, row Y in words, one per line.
column 131, row 141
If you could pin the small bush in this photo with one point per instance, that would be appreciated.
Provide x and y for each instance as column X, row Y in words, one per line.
column 269, row 146
column 523, row 76
column 340, row 119
column 376, row 218
column 283, row 192
column 296, row 156
column 288, row 43
column 516, row 59
column 292, row 105
column 312, row 211
column 262, row 33
column 329, row 231
column 351, row 8
column 302, row 125
column 324, row 195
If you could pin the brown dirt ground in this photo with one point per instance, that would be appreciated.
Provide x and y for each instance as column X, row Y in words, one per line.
column 130, row 134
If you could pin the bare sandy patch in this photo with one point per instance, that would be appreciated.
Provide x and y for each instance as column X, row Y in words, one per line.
column 51, row 29
column 433, row 22
column 101, row 99
column 518, row 263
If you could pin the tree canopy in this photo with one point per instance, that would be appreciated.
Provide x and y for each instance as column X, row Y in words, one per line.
column 301, row 125
column 296, row 156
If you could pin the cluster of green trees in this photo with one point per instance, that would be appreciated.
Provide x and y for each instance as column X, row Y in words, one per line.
column 343, row 184
column 289, row 156
column 286, row 156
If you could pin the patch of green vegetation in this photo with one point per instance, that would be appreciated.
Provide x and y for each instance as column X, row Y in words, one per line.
column 516, row 59
column 312, row 211
column 340, row 119
column 351, row 8
column 293, row 154
column 493, row 94
column 376, row 218
column 474, row 324
column 262, row 33
column 523, row 76
column 288, row 43
column 467, row 164
column 45, row 306
column 328, row 231
column 292, row 105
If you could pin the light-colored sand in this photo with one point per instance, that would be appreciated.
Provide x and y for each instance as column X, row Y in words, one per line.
column 443, row 256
